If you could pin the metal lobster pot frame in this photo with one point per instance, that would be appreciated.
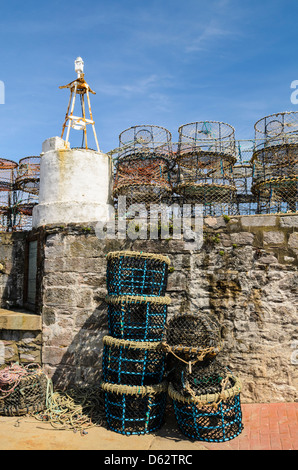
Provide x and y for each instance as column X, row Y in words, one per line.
column 143, row 165
column 205, row 158
column 275, row 163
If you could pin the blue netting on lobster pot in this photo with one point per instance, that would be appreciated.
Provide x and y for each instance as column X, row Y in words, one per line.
column 133, row 409
column 212, row 417
column 132, row 362
column 138, row 318
column 134, row 273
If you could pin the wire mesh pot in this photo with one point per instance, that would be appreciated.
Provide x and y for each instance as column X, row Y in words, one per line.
column 26, row 393
column 134, row 273
column 138, row 318
column 132, row 362
column 193, row 336
column 212, row 417
column 133, row 409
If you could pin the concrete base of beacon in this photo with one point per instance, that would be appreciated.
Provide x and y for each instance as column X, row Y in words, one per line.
column 75, row 185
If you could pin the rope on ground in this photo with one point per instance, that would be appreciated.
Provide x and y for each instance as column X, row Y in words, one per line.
column 76, row 409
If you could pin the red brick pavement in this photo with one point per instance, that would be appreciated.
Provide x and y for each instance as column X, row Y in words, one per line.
column 267, row 426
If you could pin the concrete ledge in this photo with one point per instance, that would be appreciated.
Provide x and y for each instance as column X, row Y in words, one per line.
column 11, row 320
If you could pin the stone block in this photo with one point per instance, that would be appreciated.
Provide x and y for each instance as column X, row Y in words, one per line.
column 11, row 353
column 93, row 279
column 84, row 298
column 289, row 221
column 60, row 296
column 268, row 259
column 53, row 143
column 53, row 355
column 274, row 238
column 242, row 238
column 176, row 281
column 11, row 320
column 55, row 279
column 215, row 222
column 258, row 221
column 293, row 241
column 85, row 246
column 55, row 251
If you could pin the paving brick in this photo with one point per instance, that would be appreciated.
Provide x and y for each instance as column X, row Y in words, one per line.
column 270, row 426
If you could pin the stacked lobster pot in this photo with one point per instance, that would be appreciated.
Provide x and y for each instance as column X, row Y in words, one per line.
column 205, row 394
column 134, row 361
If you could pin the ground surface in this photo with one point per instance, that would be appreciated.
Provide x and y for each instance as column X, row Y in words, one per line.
column 266, row 427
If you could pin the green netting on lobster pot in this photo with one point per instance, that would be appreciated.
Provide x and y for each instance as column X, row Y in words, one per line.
column 134, row 273
column 138, row 318
column 193, row 336
column 134, row 410
column 22, row 390
column 212, row 417
column 132, row 362
column 201, row 378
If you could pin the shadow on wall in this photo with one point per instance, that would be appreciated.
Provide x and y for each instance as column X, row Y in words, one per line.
column 12, row 261
column 81, row 364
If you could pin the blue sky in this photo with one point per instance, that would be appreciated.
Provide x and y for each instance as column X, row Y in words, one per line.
column 161, row 62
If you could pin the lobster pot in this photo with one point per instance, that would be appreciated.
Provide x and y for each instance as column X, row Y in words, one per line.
column 210, row 418
column 200, row 378
column 28, row 175
column 142, row 181
column 133, row 273
column 133, row 409
column 29, row 395
column 205, row 158
column 137, row 318
column 132, row 363
column 275, row 163
column 193, row 335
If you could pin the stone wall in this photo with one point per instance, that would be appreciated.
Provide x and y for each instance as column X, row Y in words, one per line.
column 20, row 331
column 20, row 337
column 245, row 273
column 12, row 256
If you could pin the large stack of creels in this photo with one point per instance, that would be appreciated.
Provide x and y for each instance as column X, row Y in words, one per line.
column 134, row 385
column 205, row 394
column 19, row 190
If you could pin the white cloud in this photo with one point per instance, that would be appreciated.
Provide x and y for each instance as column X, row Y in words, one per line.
column 212, row 32
column 143, row 86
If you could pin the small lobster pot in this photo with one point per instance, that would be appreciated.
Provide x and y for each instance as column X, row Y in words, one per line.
column 132, row 363
column 134, row 273
column 28, row 395
column 200, row 378
column 193, row 335
column 210, row 418
column 138, row 318
column 134, row 410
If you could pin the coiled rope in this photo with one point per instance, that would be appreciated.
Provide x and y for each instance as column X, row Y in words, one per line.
column 11, row 376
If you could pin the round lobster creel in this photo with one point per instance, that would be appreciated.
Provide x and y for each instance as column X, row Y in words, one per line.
column 132, row 362
column 202, row 378
column 211, row 418
column 138, row 318
column 193, row 336
column 27, row 392
column 133, row 409
column 134, row 273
